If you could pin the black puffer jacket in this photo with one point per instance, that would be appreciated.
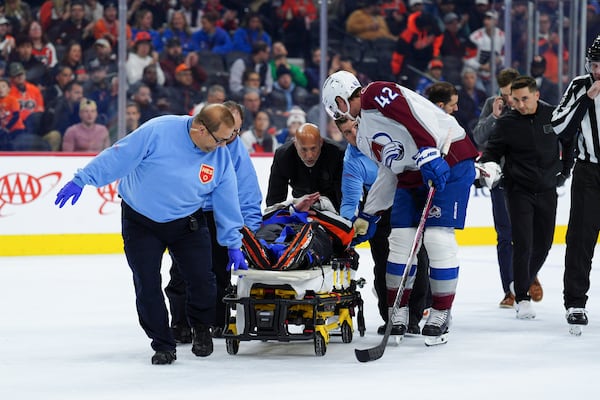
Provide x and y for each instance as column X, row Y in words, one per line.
column 531, row 150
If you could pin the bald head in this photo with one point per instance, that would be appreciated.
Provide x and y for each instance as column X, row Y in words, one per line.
column 308, row 143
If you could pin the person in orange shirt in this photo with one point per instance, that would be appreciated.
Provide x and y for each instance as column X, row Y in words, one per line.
column 27, row 94
column 11, row 123
column 107, row 27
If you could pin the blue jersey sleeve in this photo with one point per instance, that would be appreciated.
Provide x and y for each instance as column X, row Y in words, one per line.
column 226, row 208
column 249, row 192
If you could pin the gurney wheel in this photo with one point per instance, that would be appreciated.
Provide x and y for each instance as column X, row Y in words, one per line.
column 346, row 332
column 320, row 345
column 232, row 346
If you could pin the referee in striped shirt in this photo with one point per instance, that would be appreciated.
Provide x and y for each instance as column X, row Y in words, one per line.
column 579, row 111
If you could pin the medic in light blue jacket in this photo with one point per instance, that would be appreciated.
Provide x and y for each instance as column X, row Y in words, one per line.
column 359, row 172
column 249, row 193
column 164, row 176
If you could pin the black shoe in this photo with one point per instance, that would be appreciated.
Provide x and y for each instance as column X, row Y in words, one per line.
column 182, row 334
column 396, row 330
column 164, row 357
column 413, row 330
column 217, row 332
column 203, row 344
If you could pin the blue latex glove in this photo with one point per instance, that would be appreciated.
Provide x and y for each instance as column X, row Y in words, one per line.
column 236, row 259
column 433, row 167
column 71, row 189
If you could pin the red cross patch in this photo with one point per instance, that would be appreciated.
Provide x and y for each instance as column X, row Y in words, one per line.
column 206, row 173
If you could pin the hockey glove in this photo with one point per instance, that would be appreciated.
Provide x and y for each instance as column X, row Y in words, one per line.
column 365, row 225
column 434, row 168
column 489, row 174
column 71, row 189
column 236, row 259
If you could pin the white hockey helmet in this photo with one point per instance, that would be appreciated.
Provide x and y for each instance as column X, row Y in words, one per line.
column 339, row 84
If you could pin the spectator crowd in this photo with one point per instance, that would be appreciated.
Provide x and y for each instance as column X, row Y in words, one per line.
column 58, row 62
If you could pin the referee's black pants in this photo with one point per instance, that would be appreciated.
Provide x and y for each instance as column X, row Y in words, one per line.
column 582, row 233
column 420, row 296
column 533, row 217
column 145, row 243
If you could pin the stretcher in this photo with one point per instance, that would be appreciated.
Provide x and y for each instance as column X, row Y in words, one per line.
column 284, row 306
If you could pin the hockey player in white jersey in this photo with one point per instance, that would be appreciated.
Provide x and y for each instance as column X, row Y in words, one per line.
column 404, row 133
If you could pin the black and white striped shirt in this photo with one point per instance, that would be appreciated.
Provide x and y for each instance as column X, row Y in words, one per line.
column 578, row 113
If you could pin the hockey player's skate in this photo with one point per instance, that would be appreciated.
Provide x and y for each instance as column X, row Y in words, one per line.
column 577, row 319
column 436, row 327
column 525, row 310
column 399, row 322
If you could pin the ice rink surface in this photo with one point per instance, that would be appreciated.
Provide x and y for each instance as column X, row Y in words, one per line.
column 69, row 330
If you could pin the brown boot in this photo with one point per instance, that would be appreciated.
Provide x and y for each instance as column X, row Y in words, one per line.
column 508, row 301
column 535, row 290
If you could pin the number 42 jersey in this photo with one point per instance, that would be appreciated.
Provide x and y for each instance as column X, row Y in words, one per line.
column 396, row 122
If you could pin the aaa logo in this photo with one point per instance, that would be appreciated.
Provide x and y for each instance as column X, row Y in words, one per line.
column 109, row 195
column 20, row 188
column 206, row 173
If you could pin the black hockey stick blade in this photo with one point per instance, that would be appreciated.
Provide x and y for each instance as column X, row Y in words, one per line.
column 373, row 353
column 366, row 355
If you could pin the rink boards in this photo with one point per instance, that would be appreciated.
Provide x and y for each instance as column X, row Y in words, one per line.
column 30, row 223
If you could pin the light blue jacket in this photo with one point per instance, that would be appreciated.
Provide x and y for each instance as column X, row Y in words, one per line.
column 249, row 193
column 359, row 172
column 164, row 176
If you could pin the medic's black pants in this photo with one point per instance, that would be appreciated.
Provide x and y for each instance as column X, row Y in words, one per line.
column 188, row 240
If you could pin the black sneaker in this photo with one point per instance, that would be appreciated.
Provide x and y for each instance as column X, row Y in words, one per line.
column 164, row 357
column 182, row 334
column 217, row 332
column 413, row 330
column 202, row 345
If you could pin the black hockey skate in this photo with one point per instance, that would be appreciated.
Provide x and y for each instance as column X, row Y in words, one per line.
column 203, row 344
column 577, row 319
column 399, row 323
column 436, row 327
column 163, row 357
column 396, row 330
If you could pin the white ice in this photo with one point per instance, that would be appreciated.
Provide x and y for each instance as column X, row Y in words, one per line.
column 69, row 330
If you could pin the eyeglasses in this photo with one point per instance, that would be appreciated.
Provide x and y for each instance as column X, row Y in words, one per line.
column 216, row 139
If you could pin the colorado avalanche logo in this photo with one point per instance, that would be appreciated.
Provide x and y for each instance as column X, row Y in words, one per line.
column 435, row 212
column 206, row 173
column 385, row 149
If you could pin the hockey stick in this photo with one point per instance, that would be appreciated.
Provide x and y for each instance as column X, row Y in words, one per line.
column 375, row 353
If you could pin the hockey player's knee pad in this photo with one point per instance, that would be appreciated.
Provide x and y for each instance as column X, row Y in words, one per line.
column 441, row 246
column 401, row 240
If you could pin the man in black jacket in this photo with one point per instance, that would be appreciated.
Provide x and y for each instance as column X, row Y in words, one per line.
column 308, row 164
column 532, row 171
